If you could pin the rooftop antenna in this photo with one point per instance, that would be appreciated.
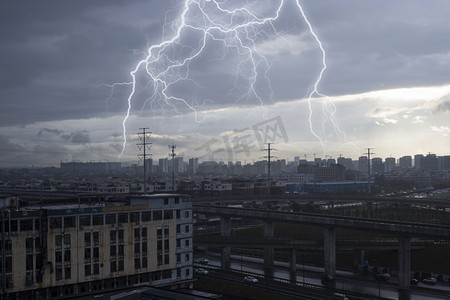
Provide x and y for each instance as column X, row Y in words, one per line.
column 144, row 135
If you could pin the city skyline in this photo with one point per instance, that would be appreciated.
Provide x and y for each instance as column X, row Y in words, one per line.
column 386, row 76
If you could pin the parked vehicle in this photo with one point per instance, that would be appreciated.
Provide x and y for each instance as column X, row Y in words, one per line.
column 339, row 296
column 250, row 279
column 414, row 281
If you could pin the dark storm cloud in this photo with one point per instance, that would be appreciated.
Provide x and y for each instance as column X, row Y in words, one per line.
column 46, row 131
column 54, row 54
column 79, row 137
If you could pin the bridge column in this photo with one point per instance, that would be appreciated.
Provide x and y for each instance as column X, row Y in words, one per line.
column 329, row 249
column 268, row 251
column 404, row 267
column 358, row 258
column 293, row 265
column 225, row 230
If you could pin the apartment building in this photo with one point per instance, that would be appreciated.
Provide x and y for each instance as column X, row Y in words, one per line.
column 62, row 250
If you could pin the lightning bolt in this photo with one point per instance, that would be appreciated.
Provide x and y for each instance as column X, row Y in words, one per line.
column 167, row 64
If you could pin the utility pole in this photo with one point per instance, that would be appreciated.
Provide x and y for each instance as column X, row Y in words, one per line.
column 268, row 166
column 368, row 168
column 144, row 135
column 172, row 154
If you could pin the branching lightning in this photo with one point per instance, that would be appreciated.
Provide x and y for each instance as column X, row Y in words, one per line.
column 201, row 23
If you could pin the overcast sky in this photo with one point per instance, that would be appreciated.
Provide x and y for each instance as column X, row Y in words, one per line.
column 221, row 81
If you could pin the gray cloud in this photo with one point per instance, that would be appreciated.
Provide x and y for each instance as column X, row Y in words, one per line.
column 79, row 137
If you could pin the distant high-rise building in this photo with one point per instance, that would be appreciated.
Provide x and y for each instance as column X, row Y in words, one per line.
column 389, row 164
column 429, row 162
column 362, row 165
column 163, row 166
column 193, row 165
column 417, row 160
column 405, row 162
column 377, row 165
column 296, row 160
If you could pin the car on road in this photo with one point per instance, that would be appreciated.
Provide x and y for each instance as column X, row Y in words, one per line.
column 430, row 280
column 203, row 260
column 382, row 276
column 201, row 271
column 414, row 281
column 327, row 278
column 250, row 279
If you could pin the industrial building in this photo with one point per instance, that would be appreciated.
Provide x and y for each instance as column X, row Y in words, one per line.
column 62, row 250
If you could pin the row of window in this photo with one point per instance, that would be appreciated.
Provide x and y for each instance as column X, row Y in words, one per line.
column 117, row 218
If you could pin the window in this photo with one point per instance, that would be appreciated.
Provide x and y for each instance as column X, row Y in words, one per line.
column 96, row 253
column 29, row 262
column 157, row 215
column 137, row 249
column 187, row 257
column 67, row 273
column 69, row 222
column 186, row 214
column 166, row 259
column 177, row 200
column 166, row 246
column 113, row 266
column 58, row 241
column 121, row 251
column 178, row 214
column 29, row 245
column 144, row 248
column 188, row 272
column 58, row 273
column 178, row 243
column 120, row 235
column 178, row 228
column 26, row 225
column 96, row 269
column 67, row 256
column 144, row 262
column 112, row 250
column 67, row 241
column 166, row 231
column 87, row 254
column 96, row 238
column 137, row 263
column 85, row 220
column 87, row 239
column 186, row 228
column 121, row 265
column 112, row 236
column 37, row 244
column 110, row 219
column 168, row 214
column 55, row 222
column 144, row 233
column 134, row 217
column 58, row 257
column 137, row 234
column 178, row 272
column 178, row 258
column 97, row 219
column 160, row 259
column 166, row 201
column 186, row 243
column 146, row 216
column 87, row 270
column 123, row 218
column 159, row 246
column 159, row 233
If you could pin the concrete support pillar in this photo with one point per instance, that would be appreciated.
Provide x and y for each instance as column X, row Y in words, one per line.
column 358, row 258
column 225, row 230
column 292, row 265
column 225, row 261
column 268, row 251
column 329, row 249
column 225, row 226
column 404, row 267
